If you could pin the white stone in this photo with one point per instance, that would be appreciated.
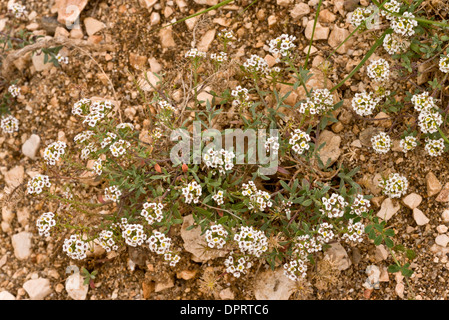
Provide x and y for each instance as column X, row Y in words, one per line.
column 155, row 18
column 206, row 41
column 331, row 150
column 412, row 201
column 5, row 295
column 339, row 256
column 442, row 240
column 381, row 253
column 21, row 243
column 273, row 285
column 207, row 2
column 442, row 228
column 445, row 215
column 37, row 289
column 7, row 214
column 226, row 294
column 387, row 209
column 321, row 33
column 420, row 217
column 299, row 10
column 93, row 25
column 30, row 147
column 195, row 243
column 15, row 176
column 75, row 287
column 337, row 36
column 372, row 282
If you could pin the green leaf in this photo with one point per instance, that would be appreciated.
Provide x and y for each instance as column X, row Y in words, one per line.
column 389, row 232
column 410, row 254
column 389, row 243
column 378, row 240
column 394, row 268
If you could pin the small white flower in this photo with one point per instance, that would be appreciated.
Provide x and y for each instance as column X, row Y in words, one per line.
column 9, row 124
column 408, row 143
column 404, row 25
column 395, row 186
column 44, row 223
column 444, row 64
column 379, row 70
column 381, row 142
column 54, row 151
column 75, row 247
column 112, row 193
column 364, row 103
column 434, row 147
column 37, row 183
column 14, row 90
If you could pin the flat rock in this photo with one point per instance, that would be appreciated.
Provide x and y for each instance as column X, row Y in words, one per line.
column 226, row 294
column 442, row 240
column 366, row 135
column 93, row 25
column 207, row 2
column 164, row 284
column 331, row 150
column 339, row 256
column 412, row 201
column 372, row 282
column 442, row 228
column 387, row 209
column 433, row 185
column 321, row 33
column 445, row 215
column 381, row 253
column 166, row 37
column 15, row 176
column 206, row 41
column 443, row 196
column 75, row 287
column 69, row 10
column 196, row 244
column 30, row 147
column 337, row 36
column 273, row 285
column 5, row 295
column 21, row 243
column 37, row 289
column 420, row 217
column 299, row 10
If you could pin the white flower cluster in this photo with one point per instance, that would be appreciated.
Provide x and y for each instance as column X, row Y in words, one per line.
column 193, row 53
column 334, row 206
column 110, row 137
column 87, row 150
column 156, row 133
column 159, row 243
column 295, row 269
column 112, row 193
column 360, row 205
column 423, row 102
column 216, row 236
column 408, row 143
column 257, row 198
column 325, row 233
column 272, row 143
column 166, row 110
column 119, row 147
column 172, row 258
column 395, row 186
column 81, row 107
column 241, row 97
column 44, row 223
column 98, row 166
column 256, row 64
column 62, row 59
column 218, row 197
column 226, row 34
column 106, row 241
column 14, row 90
column 379, row 70
column 360, row 14
column 299, row 141
column 83, row 136
column 381, row 142
column 281, row 45
column 251, row 241
column 98, row 111
column 320, row 101
column 395, row 44
column 434, row 147
column 354, row 232
column 54, row 151
column 219, row 57
column 37, row 183
column 75, row 247
column 429, row 121
column 404, row 25
column 237, row 267
column 133, row 234
column 305, row 245
column 125, row 126
column 9, row 124
column 444, row 64
column 364, row 103
column 392, row 6
column 222, row 160
column 152, row 212
column 192, row 192
column 17, row 9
